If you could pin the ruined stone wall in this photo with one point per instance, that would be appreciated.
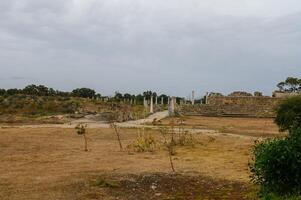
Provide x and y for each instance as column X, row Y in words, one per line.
column 285, row 94
column 234, row 106
column 264, row 101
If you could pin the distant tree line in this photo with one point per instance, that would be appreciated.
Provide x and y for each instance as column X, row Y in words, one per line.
column 41, row 90
column 291, row 84
column 139, row 98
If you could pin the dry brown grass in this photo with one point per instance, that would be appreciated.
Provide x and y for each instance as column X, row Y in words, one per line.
column 243, row 126
column 48, row 163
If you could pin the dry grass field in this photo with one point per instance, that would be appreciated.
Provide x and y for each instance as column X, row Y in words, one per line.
column 49, row 163
column 261, row 127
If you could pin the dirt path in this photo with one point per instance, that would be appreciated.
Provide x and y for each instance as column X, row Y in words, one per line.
column 97, row 124
column 141, row 123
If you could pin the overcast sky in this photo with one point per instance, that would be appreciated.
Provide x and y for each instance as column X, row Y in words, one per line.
column 170, row 46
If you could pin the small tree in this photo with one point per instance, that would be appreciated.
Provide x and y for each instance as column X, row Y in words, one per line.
column 81, row 130
column 169, row 142
column 84, row 93
column 291, row 84
column 113, row 119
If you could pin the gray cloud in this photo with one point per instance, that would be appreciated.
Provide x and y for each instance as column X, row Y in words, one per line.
column 169, row 46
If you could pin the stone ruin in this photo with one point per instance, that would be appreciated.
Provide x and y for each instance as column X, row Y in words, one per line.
column 240, row 104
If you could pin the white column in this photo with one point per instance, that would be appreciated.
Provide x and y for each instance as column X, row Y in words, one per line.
column 206, row 100
column 192, row 97
column 144, row 102
column 151, row 110
column 162, row 100
column 171, row 107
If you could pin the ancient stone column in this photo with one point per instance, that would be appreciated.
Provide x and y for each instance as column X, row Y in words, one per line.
column 162, row 101
column 174, row 100
column 206, row 100
column 151, row 110
column 168, row 100
column 192, row 97
column 156, row 100
column 144, row 102
column 171, row 107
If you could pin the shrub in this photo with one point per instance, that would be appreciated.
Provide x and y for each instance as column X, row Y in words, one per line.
column 289, row 113
column 271, row 196
column 81, row 130
column 145, row 143
column 276, row 165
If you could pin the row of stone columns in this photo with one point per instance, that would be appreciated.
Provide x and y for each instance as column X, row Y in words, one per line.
column 171, row 103
column 152, row 100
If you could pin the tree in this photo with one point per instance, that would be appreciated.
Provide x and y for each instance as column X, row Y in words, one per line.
column 38, row 90
column 12, row 91
column 281, row 86
column 139, row 99
column 127, row 96
column 2, row 91
column 84, row 93
column 148, row 94
column 118, row 96
column 289, row 113
column 291, row 84
column 51, row 92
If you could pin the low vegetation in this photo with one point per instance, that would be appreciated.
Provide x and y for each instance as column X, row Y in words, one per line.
column 36, row 105
column 276, row 162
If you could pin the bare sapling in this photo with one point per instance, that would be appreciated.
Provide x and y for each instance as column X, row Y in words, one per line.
column 172, row 127
column 171, row 152
column 170, row 143
column 81, row 130
column 113, row 123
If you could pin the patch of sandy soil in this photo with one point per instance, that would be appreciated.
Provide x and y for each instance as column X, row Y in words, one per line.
column 49, row 163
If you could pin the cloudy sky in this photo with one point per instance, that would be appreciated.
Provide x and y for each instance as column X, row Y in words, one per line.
column 170, row 46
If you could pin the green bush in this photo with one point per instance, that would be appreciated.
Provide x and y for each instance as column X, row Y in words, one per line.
column 271, row 196
column 289, row 113
column 276, row 165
